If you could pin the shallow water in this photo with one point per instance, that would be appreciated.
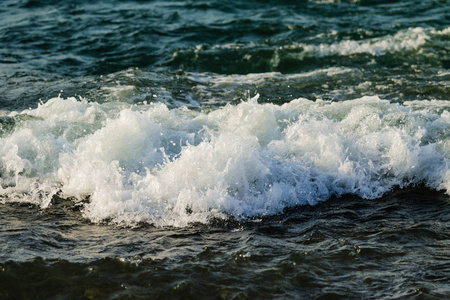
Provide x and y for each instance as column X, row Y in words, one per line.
column 217, row 149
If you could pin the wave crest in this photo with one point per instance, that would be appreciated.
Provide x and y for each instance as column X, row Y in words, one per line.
column 149, row 163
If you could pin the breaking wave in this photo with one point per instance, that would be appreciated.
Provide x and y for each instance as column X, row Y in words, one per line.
column 125, row 164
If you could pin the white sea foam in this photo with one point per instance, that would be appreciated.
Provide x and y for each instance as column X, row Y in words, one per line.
column 409, row 39
column 149, row 163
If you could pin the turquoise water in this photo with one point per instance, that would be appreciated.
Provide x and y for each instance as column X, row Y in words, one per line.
column 224, row 149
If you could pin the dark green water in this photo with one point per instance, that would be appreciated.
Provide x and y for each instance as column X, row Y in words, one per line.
column 162, row 180
column 395, row 247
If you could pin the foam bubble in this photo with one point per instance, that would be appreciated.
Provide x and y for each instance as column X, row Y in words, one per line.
column 148, row 163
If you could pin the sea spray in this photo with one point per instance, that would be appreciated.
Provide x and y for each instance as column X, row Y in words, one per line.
column 148, row 163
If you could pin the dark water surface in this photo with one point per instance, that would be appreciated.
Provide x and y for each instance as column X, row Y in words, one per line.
column 251, row 149
column 396, row 247
column 49, row 46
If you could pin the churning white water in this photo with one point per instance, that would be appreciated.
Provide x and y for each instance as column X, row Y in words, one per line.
column 147, row 163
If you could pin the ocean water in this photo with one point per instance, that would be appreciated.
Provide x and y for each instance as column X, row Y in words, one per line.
column 253, row 149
